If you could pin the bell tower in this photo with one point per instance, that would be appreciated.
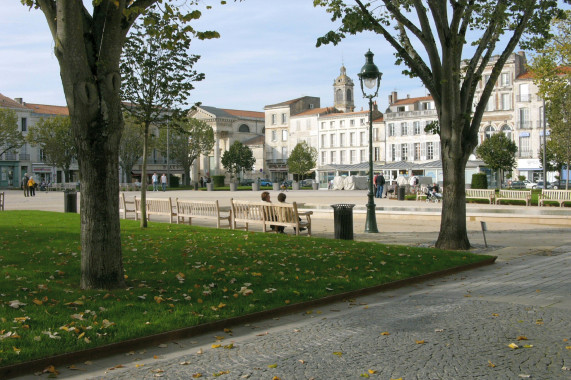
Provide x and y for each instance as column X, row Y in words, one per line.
column 343, row 94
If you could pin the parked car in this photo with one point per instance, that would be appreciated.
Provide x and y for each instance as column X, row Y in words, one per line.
column 529, row 184
column 265, row 182
column 539, row 185
column 560, row 185
column 306, row 182
column 246, row 182
column 517, row 185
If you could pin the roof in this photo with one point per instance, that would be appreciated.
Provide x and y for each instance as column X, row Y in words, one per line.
column 47, row 109
column 530, row 74
column 411, row 100
column 288, row 102
column 6, row 102
column 317, row 111
column 220, row 112
column 258, row 140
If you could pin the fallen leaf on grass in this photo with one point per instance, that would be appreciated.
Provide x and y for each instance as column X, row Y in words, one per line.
column 490, row 364
column 521, row 337
column 420, row 341
column 513, row 346
column 338, row 353
column 216, row 346
column 16, row 304
column 385, row 333
column 196, row 375
column 272, row 366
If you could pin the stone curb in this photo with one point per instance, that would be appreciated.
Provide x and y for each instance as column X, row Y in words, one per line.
column 151, row 340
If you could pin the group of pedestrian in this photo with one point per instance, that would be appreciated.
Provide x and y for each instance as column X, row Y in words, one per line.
column 155, row 180
column 203, row 181
column 379, row 182
column 29, row 185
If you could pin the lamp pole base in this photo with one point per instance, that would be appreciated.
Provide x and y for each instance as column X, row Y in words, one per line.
column 371, row 222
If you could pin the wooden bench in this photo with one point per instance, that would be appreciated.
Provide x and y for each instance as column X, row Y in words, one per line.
column 200, row 209
column 560, row 196
column 156, row 206
column 126, row 207
column 269, row 215
column 488, row 194
column 2, row 197
column 514, row 195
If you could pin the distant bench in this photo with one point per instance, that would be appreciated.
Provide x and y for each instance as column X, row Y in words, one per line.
column 126, row 206
column 514, row 195
column 269, row 215
column 62, row 186
column 488, row 194
column 156, row 206
column 200, row 209
column 560, row 196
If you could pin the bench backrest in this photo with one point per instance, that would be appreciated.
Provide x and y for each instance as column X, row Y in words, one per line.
column 2, row 200
column 480, row 192
column 198, row 208
column 247, row 211
column 556, row 194
column 514, row 193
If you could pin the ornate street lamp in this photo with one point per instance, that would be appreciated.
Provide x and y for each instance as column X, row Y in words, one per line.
column 370, row 77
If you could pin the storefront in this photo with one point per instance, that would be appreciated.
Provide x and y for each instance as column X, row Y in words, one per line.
column 9, row 175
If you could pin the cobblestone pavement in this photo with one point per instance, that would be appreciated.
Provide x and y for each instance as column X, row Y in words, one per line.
column 454, row 327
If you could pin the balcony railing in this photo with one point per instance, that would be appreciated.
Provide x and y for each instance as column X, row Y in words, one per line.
column 524, row 98
column 398, row 115
column 525, row 124
column 525, row 154
column 10, row 156
column 24, row 157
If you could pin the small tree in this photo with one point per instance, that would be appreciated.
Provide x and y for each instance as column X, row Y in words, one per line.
column 239, row 157
column 302, row 159
column 498, row 152
column 186, row 142
column 10, row 137
column 53, row 135
column 158, row 77
column 130, row 148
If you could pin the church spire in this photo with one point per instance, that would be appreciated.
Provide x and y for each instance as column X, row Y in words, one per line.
column 343, row 92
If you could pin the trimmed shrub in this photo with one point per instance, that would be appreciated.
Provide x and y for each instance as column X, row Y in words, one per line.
column 218, row 180
column 479, row 181
column 174, row 181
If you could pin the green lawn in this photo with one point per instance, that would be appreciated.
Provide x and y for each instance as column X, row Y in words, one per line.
column 177, row 276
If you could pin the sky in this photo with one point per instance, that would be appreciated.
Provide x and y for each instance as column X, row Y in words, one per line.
column 266, row 55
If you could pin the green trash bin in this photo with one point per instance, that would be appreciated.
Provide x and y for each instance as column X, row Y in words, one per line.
column 401, row 193
column 343, row 221
column 70, row 201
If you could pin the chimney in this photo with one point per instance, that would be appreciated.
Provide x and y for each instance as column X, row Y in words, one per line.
column 19, row 100
column 394, row 97
column 408, row 96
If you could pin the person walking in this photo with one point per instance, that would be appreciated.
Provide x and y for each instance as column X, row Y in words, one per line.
column 164, row 182
column 155, row 180
column 32, row 186
column 380, row 182
column 25, row 187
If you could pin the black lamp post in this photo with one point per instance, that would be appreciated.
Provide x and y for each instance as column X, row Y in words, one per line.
column 370, row 77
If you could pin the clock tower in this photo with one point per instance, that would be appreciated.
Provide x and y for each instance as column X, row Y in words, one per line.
column 343, row 92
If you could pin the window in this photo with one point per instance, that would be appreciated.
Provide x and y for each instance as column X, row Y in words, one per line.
column 332, row 141
column 507, row 131
column 307, row 124
column 333, row 156
column 274, row 119
column 331, row 124
column 323, row 140
column 486, row 79
column 506, row 102
column 430, row 151
column 353, row 157
column 489, row 132
column 42, row 155
column 505, row 79
column 375, row 136
column 322, row 125
column 404, row 129
column 311, row 106
column 416, row 127
column 416, row 151
column 323, row 158
column 339, row 95
column 342, row 157
column 524, row 145
column 404, row 152
column 540, row 117
column 352, row 136
column 349, row 95
column 362, row 121
column 401, row 109
column 352, row 122
column 362, row 155
column 284, row 135
column 426, row 106
column 391, row 129
column 491, row 105
column 342, row 139
column 393, row 152
column 524, row 122
column 244, row 128
column 274, row 135
column 342, row 123
column 284, row 152
column 24, row 124
column 284, row 118
column 524, row 95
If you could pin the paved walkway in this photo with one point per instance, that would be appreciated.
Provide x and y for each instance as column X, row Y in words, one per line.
column 455, row 327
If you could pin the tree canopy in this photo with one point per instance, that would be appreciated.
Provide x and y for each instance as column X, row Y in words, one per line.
column 302, row 159
column 239, row 157
column 430, row 37
column 130, row 148
column 53, row 136
column 498, row 153
column 10, row 137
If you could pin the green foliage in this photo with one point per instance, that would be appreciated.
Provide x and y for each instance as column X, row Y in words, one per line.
column 239, row 157
column 177, row 276
column 302, row 159
column 54, row 136
column 520, row 177
column 479, row 181
column 130, row 147
column 498, row 152
column 11, row 138
column 187, row 140
column 218, row 180
column 174, row 181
